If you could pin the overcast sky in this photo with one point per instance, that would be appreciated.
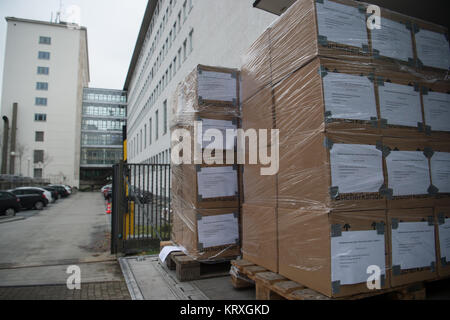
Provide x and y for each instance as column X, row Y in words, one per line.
column 113, row 27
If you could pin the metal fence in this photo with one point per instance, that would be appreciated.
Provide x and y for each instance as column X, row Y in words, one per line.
column 141, row 207
column 8, row 182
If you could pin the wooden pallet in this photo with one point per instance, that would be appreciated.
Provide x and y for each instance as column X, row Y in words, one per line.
column 189, row 269
column 272, row 286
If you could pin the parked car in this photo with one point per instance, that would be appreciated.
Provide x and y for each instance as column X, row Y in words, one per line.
column 47, row 193
column 31, row 198
column 9, row 203
column 55, row 193
column 61, row 190
column 67, row 188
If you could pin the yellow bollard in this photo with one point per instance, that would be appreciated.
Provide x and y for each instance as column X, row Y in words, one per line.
column 129, row 221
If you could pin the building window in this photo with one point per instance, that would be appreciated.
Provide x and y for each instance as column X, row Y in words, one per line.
column 179, row 21
column 38, row 156
column 40, row 117
column 179, row 58
column 165, row 117
column 39, row 136
column 44, row 55
column 45, row 40
column 150, row 133
column 42, row 86
column 191, row 41
column 41, row 101
column 184, row 50
column 140, row 141
column 37, row 173
column 43, row 70
column 174, row 66
column 145, row 136
column 156, row 125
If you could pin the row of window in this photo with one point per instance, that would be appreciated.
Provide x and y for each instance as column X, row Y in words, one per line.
column 105, row 97
column 101, row 110
column 101, row 139
column 168, row 43
column 101, row 156
column 102, row 125
column 140, row 142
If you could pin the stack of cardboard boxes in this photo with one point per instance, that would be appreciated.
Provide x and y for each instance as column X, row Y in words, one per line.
column 364, row 124
column 206, row 195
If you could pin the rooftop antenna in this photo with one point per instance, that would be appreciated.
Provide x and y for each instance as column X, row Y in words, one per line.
column 58, row 14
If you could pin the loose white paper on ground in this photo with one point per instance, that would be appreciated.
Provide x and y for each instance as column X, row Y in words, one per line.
column 214, row 231
column 393, row 40
column 349, row 96
column 433, row 49
column 437, row 110
column 440, row 171
column 356, row 168
column 408, row 173
column 216, row 182
column 400, row 104
column 166, row 251
column 444, row 239
column 220, row 125
column 342, row 24
column 217, row 86
column 413, row 245
column 353, row 253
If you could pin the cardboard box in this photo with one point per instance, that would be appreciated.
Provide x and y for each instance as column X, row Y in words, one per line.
column 311, row 28
column 207, row 89
column 259, row 236
column 331, row 171
column 328, row 95
column 431, row 45
column 392, row 44
column 407, row 173
column 256, row 71
column 211, row 234
column 207, row 186
column 399, row 102
column 440, row 168
column 436, row 101
column 330, row 252
column 412, row 245
column 442, row 215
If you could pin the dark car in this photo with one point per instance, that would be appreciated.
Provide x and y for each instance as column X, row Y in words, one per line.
column 55, row 193
column 63, row 193
column 9, row 203
column 31, row 198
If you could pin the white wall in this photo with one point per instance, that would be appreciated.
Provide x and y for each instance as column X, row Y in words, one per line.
column 223, row 31
column 62, row 129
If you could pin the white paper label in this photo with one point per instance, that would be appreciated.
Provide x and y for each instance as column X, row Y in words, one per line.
column 433, row 49
column 408, row 173
column 353, row 253
column 437, row 110
column 216, row 182
column 217, row 86
column 356, row 168
column 168, row 250
column 444, row 239
column 393, row 40
column 400, row 104
column 221, row 230
column 349, row 96
column 440, row 171
column 413, row 245
column 222, row 126
column 342, row 24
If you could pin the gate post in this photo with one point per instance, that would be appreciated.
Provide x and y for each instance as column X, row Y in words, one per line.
column 118, row 208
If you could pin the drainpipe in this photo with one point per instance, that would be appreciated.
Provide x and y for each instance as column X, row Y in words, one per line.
column 5, row 145
column 13, row 139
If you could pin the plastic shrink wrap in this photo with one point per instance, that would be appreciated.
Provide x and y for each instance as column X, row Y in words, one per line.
column 206, row 192
column 363, row 118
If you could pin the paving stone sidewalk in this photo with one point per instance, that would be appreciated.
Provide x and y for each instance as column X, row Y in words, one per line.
column 89, row 291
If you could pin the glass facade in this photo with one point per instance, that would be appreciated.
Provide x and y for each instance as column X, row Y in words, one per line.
column 103, row 118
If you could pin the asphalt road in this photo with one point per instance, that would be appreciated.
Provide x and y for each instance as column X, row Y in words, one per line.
column 37, row 250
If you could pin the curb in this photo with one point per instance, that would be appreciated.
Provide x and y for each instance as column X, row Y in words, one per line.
column 11, row 220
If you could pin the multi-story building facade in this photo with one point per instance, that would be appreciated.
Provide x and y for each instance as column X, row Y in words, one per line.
column 103, row 118
column 176, row 36
column 46, row 68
